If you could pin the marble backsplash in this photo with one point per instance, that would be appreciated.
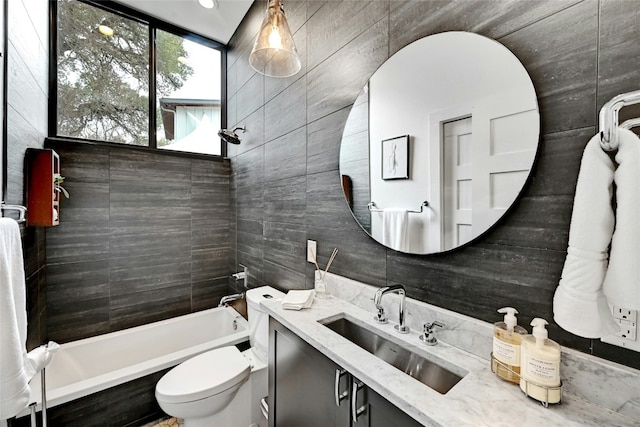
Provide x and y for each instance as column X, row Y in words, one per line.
column 601, row 382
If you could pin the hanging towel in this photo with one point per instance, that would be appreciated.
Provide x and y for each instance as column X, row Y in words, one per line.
column 395, row 229
column 579, row 305
column 40, row 357
column 622, row 282
column 14, row 378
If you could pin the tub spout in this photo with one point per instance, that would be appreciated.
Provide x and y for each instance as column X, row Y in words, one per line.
column 230, row 298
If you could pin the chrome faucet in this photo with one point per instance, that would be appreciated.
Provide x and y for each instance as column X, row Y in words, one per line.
column 380, row 317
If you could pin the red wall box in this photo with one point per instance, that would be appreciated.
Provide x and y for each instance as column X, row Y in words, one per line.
column 43, row 199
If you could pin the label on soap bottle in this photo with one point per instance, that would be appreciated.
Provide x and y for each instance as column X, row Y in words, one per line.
column 542, row 371
column 506, row 353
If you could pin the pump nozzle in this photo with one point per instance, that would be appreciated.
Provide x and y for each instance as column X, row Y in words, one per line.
column 539, row 331
column 509, row 317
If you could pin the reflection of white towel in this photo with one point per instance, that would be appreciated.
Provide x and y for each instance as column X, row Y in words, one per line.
column 622, row 283
column 579, row 304
column 14, row 389
column 395, row 229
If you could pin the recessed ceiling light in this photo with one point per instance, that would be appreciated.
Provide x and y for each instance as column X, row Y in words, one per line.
column 208, row 4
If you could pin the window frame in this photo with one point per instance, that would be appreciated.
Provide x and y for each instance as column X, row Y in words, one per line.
column 153, row 24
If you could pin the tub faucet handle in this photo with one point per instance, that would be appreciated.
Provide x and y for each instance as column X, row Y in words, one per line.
column 242, row 275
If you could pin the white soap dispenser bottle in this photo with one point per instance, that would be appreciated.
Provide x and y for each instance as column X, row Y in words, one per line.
column 540, row 364
column 507, row 336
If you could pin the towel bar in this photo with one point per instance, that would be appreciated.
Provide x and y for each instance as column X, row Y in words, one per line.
column 21, row 209
column 374, row 208
column 608, row 119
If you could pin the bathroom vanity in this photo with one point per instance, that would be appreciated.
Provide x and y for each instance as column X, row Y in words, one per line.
column 314, row 373
column 307, row 388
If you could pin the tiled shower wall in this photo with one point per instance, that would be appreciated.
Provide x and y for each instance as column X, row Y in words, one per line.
column 143, row 237
column 286, row 183
column 26, row 120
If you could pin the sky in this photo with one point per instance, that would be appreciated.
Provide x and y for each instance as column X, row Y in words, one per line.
column 205, row 82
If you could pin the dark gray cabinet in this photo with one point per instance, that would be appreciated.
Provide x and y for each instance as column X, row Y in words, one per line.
column 308, row 389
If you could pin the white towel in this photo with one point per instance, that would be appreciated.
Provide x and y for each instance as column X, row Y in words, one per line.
column 395, row 229
column 297, row 300
column 622, row 282
column 40, row 357
column 14, row 389
column 580, row 305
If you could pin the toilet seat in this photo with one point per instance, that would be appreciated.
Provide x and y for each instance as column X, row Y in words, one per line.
column 203, row 376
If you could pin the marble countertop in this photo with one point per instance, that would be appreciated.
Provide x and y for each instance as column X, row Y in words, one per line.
column 479, row 399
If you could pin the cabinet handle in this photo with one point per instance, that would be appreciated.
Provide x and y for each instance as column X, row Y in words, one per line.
column 340, row 396
column 355, row 411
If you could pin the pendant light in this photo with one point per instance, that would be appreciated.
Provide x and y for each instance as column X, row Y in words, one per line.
column 274, row 53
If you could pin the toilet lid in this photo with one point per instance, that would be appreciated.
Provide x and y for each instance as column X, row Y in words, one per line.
column 203, row 376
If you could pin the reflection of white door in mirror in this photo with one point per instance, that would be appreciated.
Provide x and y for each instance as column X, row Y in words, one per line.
column 457, row 183
column 502, row 153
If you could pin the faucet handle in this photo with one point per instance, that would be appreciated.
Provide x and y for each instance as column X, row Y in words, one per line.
column 427, row 335
column 380, row 317
column 428, row 327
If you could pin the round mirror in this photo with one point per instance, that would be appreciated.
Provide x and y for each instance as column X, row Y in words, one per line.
column 440, row 143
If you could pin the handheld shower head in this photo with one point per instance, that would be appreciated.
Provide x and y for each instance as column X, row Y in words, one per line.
column 229, row 135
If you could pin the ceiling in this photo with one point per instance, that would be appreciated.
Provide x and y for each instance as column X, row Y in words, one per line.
column 218, row 23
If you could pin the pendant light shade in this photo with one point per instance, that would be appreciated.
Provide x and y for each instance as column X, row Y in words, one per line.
column 274, row 53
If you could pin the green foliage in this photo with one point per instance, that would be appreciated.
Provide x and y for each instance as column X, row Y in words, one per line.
column 103, row 81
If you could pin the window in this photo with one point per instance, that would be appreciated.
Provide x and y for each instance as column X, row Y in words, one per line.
column 111, row 86
column 189, row 112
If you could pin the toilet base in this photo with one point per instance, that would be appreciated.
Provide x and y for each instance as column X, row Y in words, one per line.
column 237, row 413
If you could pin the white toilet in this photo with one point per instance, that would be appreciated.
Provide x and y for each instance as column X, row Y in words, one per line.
column 222, row 387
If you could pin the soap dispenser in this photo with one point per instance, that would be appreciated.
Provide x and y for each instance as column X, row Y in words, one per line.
column 540, row 364
column 507, row 336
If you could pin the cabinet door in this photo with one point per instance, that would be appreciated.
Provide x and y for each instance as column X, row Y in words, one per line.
column 379, row 412
column 302, row 384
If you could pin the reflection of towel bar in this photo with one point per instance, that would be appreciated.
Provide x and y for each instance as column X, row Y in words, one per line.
column 609, row 118
column 374, row 208
column 22, row 209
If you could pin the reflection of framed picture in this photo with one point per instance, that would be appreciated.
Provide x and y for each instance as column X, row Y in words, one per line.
column 395, row 158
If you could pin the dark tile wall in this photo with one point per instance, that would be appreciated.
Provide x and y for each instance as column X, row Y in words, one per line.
column 143, row 237
column 286, row 183
column 27, row 95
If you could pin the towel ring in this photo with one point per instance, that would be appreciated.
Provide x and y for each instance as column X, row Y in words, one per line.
column 608, row 118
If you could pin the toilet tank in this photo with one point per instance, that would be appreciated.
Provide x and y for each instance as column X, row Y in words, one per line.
column 258, row 319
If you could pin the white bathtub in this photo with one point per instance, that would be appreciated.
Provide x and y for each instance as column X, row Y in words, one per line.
column 93, row 364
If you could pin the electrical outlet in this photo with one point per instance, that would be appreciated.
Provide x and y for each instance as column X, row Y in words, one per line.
column 625, row 314
column 627, row 337
column 312, row 250
column 627, row 330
